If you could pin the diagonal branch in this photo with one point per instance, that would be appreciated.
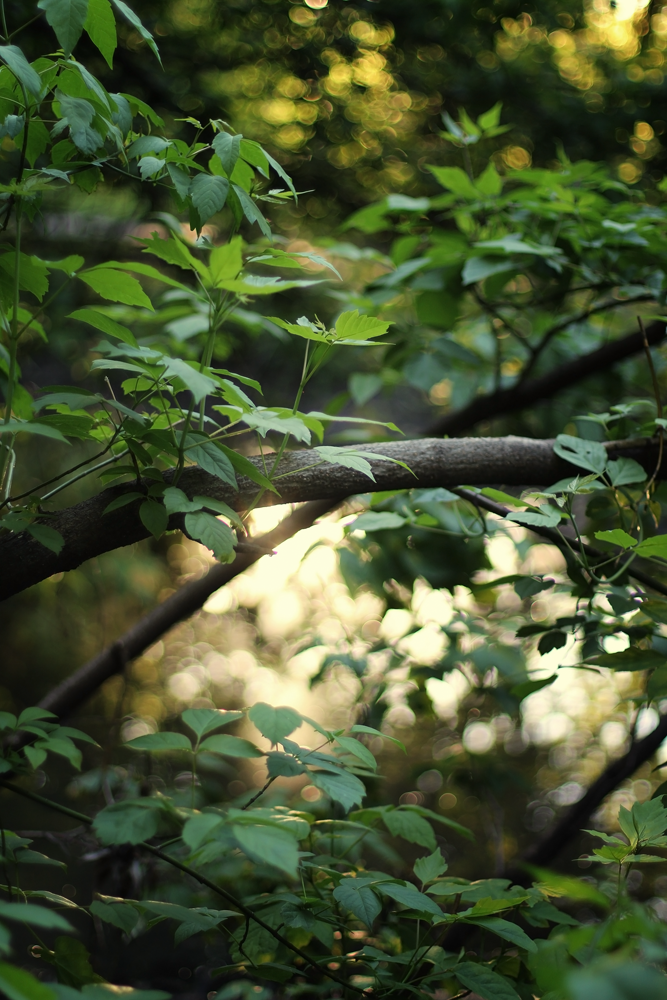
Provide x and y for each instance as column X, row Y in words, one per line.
column 88, row 532
column 75, row 689
column 533, row 391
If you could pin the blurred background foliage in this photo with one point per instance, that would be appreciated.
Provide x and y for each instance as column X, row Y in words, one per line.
column 349, row 96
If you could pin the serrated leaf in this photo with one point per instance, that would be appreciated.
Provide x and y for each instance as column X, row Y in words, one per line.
column 632, row 658
column 226, row 261
column 230, row 746
column 214, row 534
column 154, row 517
column 105, row 324
column 199, row 385
column 251, row 210
column 269, row 845
column 353, row 326
column 120, row 915
column 342, row 787
column 67, row 18
column 652, row 548
column 409, row 895
column 590, row 455
column 228, row 148
column 173, row 251
column 116, row 286
column 358, row 750
column 624, row 471
column 359, row 899
column 410, row 826
column 283, row 765
column 136, row 23
column 13, row 58
column 547, row 517
column 205, row 720
column 212, row 458
column 484, row 981
column 376, row 732
column 274, row 723
column 431, row 867
column 209, row 194
column 160, row 742
column 616, row 536
column 100, row 25
column 128, row 822
column 198, row 828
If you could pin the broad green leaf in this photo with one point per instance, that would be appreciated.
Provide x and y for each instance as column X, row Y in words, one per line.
column 359, row 899
column 376, row 732
column 33, row 714
column 616, row 536
column 209, row 194
column 211, row 457
column 198, row 828
column 198, row 384
column 483, row 981
column 251, row 210
column 42, row 430
column 35, row 916
column 269, row 845
column 116, row 286
column 624, row 471
column 105, row 324
column 652, row 548
column 149, row 166
column 154, row 517
column 67, row 18
column 17, row 984
column 632, row 658
column 100, row 25
column 501, row 497
column 615, row 980
column 230, row 746
column 381, row 520
column 33, row 272
column 176, row 502
column 283, row 765
column 410, row 826
column 128, row 822
column 343, row 787
column 49, row 537
column 226, row 261
column 358, row 750
column 13, row 58
column 174, row 251
column 353, row 326
column 160, row 742
column 120, row 915
column 122, row 501
column 228, row 148
column 409, row 895
column 245, row 467
column 455, row 180
column 214, row 534
column 274, row 723
column 129, row 14
column 431, row 867
column 546, row 517
column 205, row 720
column 555, row 884
column 79, row 115
column 590, row 455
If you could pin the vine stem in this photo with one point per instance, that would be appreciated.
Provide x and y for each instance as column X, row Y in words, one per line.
column 187, row 870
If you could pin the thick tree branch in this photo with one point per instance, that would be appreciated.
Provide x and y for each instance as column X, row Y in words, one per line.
column 88, row 532
column 536, row 390
column 77, row 688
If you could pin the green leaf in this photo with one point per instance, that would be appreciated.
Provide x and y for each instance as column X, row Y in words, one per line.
column 409, row 895
column 358, row 750
column 13, row 58
column 67, row 18
column 226, row 261
column 136, row 23
column 100, row 25
column 121, row 501
column 274, row 723
column 359, row 899
column 198, row 384
column 652, row 548
column 209, row 194
column 160, row 742
column 105, row 324
column 35, row 916
column 198, row 828
column 116, row 286
column 632, row 658
column 546, row 517
column 590, row 455
column 624, row 471
column 120, row 915
column 376, row 732
column 245, row 467
column 555, row 884
column 269, row 845
column 33, row 272
column 128, row 822
column 79, row 114
column 344, row 787
column 212, row 458
column 507, row 930
column 617, row 537
column 283, row 765
column 174, row 251
column 205, row 720
column 49, row 537
column 251, row 210
column 154, row 517
column 431, row 867
column 483, row 981
column 228, row 148
column 214, row 534
column 17, row 984
column 456, row 180
column 381, row 520
column 353, row 326
column 410, row 826
column 33, row 427
column 230, row 746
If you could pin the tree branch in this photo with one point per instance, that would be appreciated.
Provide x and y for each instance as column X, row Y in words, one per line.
column 77, row 688
column 526, row 394
column 88, row 532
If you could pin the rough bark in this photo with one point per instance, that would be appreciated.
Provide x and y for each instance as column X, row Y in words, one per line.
column 88, row 532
